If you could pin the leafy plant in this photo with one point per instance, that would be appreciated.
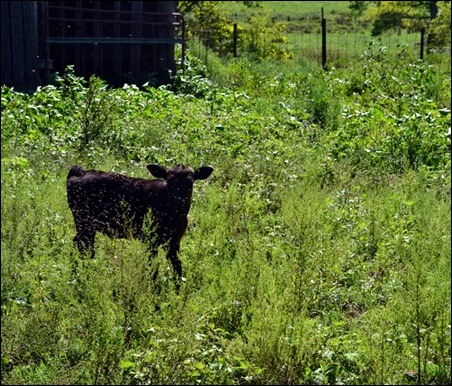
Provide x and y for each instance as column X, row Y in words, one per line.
column 318, row 252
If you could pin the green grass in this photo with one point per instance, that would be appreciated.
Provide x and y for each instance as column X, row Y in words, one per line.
column 318, row 252
column 303, row 7
column 284, row 10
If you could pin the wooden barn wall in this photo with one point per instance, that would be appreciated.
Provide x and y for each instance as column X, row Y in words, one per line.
column 19, row 44
column 24, row 47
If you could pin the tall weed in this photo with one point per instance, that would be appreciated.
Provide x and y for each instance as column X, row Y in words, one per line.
column 318, row 252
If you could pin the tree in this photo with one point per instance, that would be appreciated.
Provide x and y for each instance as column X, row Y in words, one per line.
column 359, row 7
column 433, row 16
column 394, row 15
column 439, row 27
column 205, row 20
column 261, row 38
column 400, row 14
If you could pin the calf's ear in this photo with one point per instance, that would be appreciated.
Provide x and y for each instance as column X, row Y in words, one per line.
column 157, row 171
column 202, row 173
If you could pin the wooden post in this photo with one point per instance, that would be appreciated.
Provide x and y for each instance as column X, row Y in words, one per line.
column 235, row 40
column 421, row 55
column 323, row 42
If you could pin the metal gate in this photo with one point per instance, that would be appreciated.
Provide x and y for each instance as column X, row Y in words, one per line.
column 119, row 41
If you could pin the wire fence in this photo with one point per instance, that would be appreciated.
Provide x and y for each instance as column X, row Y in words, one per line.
column 342, row 48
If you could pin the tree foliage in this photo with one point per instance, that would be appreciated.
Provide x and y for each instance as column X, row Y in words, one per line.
column 260, row 38
column 360, row 6
column 205, row 20
column 412, row 15
column 264, row 38
column 440, row 25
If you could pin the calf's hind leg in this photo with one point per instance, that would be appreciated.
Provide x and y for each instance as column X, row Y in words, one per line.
column 85, row 243
column 153, row 250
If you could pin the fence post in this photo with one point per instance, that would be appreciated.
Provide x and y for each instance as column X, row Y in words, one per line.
column 235, row 40
column 323, row 42
column 421, row 55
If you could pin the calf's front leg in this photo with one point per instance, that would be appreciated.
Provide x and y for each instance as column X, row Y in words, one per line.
column 173, row 256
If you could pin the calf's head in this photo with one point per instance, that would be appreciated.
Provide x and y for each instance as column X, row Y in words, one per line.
column 179, row 183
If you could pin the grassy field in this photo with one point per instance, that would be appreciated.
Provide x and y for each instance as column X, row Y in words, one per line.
column 318, row 252
column 291, row 10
